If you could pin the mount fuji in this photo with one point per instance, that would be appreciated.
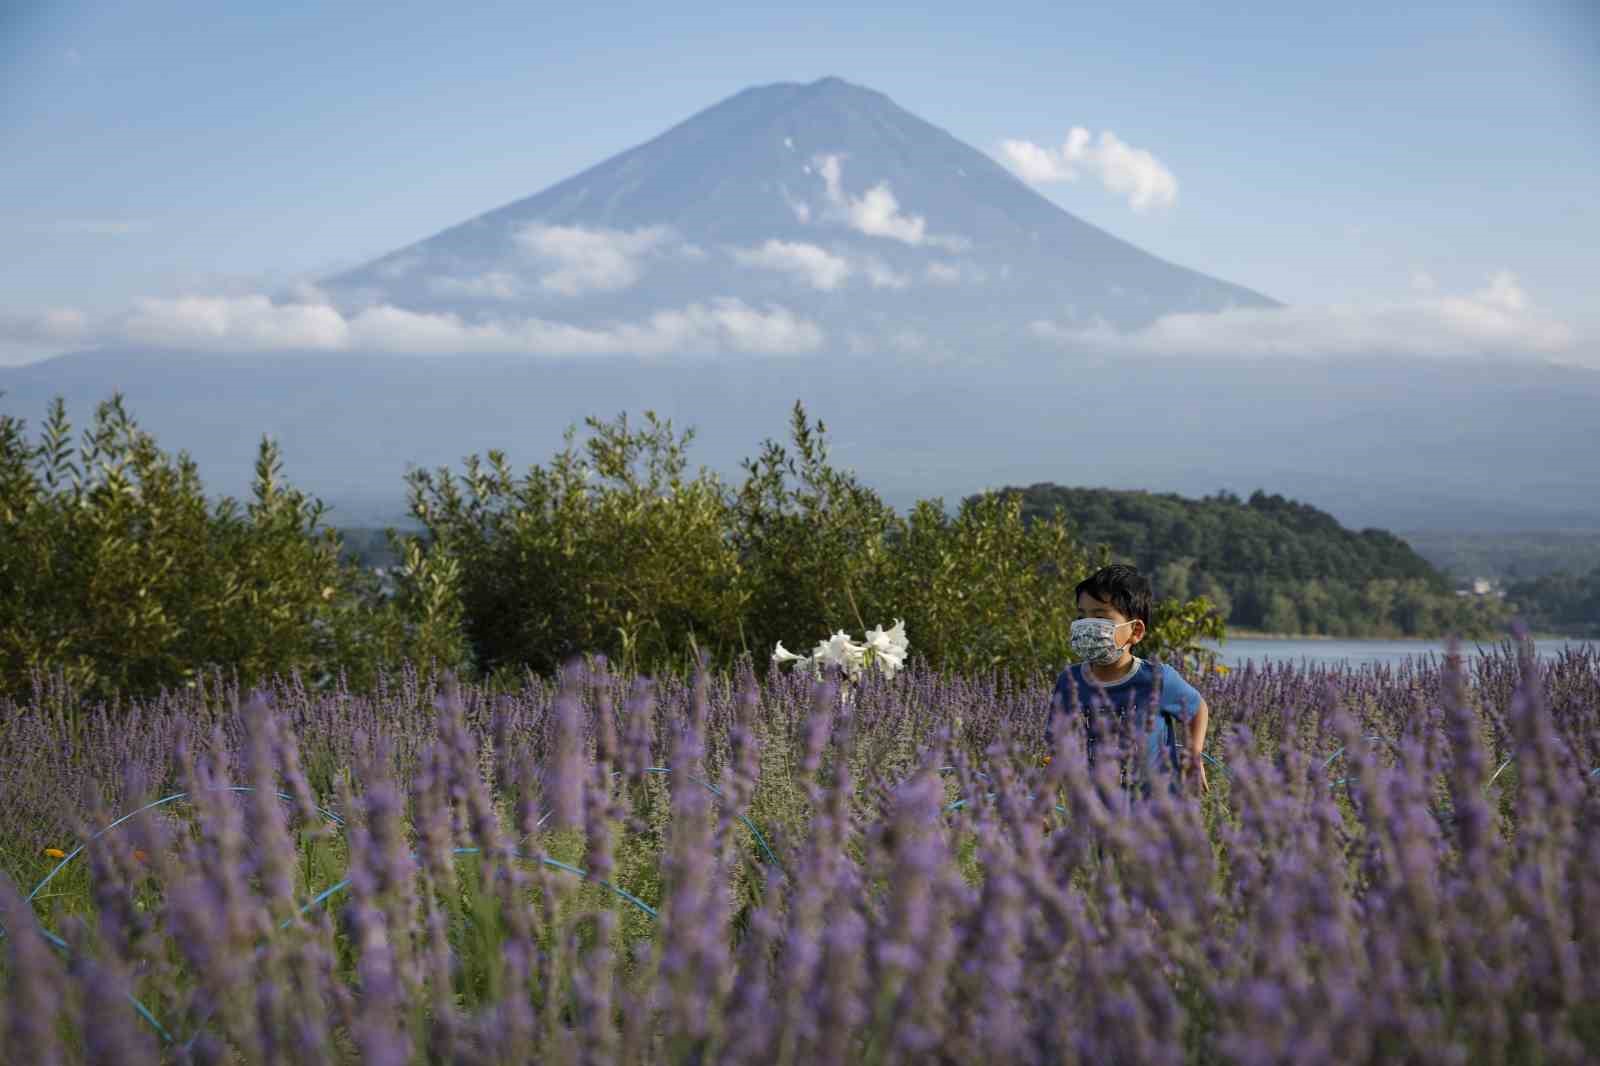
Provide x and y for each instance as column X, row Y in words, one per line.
column 825, row 200
column 818, row 242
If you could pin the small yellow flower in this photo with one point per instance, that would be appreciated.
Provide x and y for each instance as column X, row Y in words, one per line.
column 327, row 592
column 1221, row 669
column 54, row 853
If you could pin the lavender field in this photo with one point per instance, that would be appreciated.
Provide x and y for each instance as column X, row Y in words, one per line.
column 1391, row 864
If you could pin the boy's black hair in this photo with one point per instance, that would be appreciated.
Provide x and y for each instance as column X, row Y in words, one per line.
column 1123, row 587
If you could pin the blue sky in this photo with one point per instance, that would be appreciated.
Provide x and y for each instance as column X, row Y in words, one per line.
column 1325, row 155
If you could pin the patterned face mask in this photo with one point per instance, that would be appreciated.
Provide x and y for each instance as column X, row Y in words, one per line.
column 1094, row 640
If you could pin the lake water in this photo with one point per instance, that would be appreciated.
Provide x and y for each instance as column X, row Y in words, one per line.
column 1234, row 653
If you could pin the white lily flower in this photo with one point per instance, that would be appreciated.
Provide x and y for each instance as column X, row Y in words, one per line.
column 882, row 648
column 891, row 642
column 780, row 654
column 889, row 646
column 838, row 650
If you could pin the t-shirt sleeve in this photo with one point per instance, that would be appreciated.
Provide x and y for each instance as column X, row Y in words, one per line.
column 1178, row 698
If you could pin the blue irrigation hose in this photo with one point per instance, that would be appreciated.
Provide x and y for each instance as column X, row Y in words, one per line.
column 175, row 797
column 717, row 792
column 555, row 864
column 1329, row 761
column 327, row 893
column 1217, row 763
column 755, row 831
column 976, row 773
column 333, row 890
column 63, row 946
column 960, row 803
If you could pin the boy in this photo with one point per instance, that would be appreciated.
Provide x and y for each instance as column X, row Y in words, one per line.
column 1113, row 616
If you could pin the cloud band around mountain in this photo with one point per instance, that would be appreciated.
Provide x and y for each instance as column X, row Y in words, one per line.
column 1497, row 321
column 257, row 323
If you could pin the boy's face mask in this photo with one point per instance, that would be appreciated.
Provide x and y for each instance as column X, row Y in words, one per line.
column 1095, row 640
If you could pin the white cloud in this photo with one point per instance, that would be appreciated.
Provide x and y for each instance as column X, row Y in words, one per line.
column 256, row 323
column 95, row 227
column 816, row 266
column 877, row 214
column 1122, row 168
column 1422, row 281
column 1495, row 321
column 589, row 260
column 248, row 323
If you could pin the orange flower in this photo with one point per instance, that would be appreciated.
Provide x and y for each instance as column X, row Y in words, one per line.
column 139, row 855
column 54, row 853
column 1047, row 759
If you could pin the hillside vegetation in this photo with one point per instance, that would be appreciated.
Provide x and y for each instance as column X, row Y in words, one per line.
column 1270, row 563
column 1560, row 602
column 1509, row 557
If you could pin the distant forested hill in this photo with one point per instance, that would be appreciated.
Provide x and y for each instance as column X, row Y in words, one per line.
column 1273, row 564
column 1510, row 556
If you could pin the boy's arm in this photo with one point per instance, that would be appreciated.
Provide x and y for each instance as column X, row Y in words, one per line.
column 1197, row 742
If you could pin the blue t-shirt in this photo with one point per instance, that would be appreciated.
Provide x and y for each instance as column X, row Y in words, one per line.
column 1135, row 694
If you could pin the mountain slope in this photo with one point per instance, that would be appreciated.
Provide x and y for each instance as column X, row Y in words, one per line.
column 920, row 227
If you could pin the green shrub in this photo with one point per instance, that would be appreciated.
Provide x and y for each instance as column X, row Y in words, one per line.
column 117, row 575
column 615, row 549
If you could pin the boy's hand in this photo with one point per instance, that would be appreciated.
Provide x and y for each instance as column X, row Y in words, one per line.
column 1194, row 767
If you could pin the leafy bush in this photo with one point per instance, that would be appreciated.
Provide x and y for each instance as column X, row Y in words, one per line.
column 612, row 548
column 616, row 549
column 815, row 546
column 115, row 571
